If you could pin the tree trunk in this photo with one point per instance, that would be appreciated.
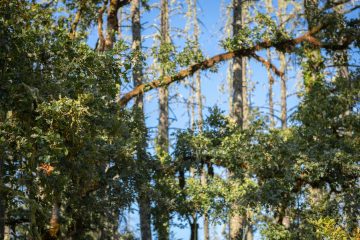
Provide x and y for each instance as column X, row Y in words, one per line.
column 76, row 21
column 136, row 47
column 245, row 101
column 145, row 214
column 194, row 230
column 143, row 199
column 200, row 113
column 163, row 91
column 236, row 226
column 100, row 45
column 283, row 91
column 163, row 218
column 341, row 59
column 54, row 221
column 206, row 215
column 112, row 24
column 271, row 94
column 236, row 220
column 314, row 55
column 237, row 68
column 283, row 65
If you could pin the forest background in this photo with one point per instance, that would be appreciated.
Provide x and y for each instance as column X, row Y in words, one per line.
column 116, row 109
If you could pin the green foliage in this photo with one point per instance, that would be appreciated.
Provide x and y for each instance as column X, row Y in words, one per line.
column 63, row 138
column 275, row 232
column 326, row 229
column 165, row 54
column 65, row 142
column 189, row 55
column 265, row 29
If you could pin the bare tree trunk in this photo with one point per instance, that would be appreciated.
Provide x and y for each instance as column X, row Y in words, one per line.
column 244, row 80
column 136, row 47
column 200, row 113
column 283, row 66
column 230, row 86
column 236, row 220
column 163, row 91
column 192, row 104
column 143, row 198
column 197, row 74
column 245, row 93
column 237, row 69
column 271, row 94
column 283, row 91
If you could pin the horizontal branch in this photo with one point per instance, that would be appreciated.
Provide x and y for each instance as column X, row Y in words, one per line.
column 287, row 44
column 268, row 65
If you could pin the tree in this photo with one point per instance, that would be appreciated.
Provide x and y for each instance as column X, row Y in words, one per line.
column 74, row 156
column 142, row 183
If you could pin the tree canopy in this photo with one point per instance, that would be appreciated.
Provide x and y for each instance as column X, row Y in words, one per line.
column 75, row 147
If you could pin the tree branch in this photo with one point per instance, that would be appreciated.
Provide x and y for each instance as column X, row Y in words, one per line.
column 75, row 22
column 287, row 44
column 100, row 45
column 268, row 64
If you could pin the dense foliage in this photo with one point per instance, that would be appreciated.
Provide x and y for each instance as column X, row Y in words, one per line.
column 69, row 152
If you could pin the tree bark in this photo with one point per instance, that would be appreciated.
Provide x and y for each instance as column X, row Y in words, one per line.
column 200, row 113
column 163, row 218
column 76, row 21
column 283, row 91
column 271, row 94
column 100, row 45
column 143, row 198
column 194, row 226
column 283, row 66
column 236, row 220
column 112, row 24
column 163, row 91
column 314, row 56
column 237, row 70
column 54, row 221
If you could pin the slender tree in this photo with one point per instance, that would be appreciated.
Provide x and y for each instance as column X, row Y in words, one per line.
column 237, row 113
column 164, row 92
column 200, row 120
column 162, row 222
column 236, row 220
column 137, row 75
column 271, row 94
column 283, row 65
